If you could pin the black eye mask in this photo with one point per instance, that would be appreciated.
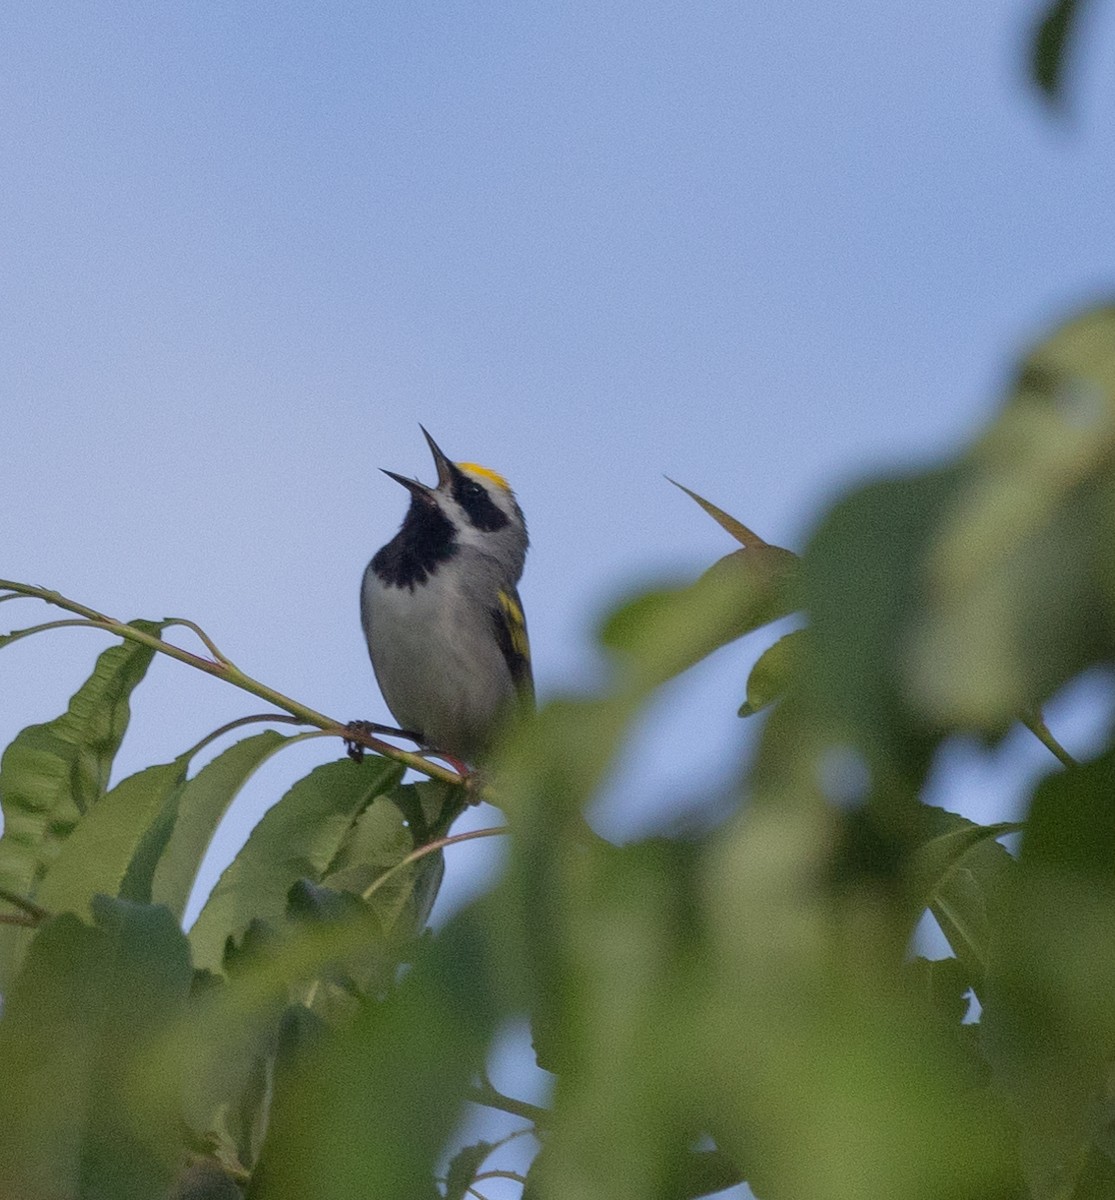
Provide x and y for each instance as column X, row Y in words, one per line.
column 477, row 504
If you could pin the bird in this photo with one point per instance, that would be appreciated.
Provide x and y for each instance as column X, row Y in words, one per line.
column 440, row 609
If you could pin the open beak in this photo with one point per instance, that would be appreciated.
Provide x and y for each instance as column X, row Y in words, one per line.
column 444, row 466
column 418, row 490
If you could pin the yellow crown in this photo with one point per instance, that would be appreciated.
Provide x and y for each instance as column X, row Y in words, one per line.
column 486, row 473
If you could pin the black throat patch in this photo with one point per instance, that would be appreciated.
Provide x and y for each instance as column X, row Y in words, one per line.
column 426, row 539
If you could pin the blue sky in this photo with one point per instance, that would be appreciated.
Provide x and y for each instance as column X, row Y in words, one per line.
column 246, row 248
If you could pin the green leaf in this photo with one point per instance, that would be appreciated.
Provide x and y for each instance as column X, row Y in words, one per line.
column 945, row 983
column 969, row 903
column 166, row 865
column 53, row 773
column 228, row 1048
column 1018, row 586
column 863, row 583
column 96, row 856
column 402, row 1069
column 950, row 838
column 1052, row 42
column 463, row 1167
column 379, row 838
column 772, row 673
column 1049, row 1022
column 71, row 1110
column 298, row 838
column 661, row 633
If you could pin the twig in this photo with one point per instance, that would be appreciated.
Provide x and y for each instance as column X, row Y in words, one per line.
column 429, row 848
column 29, row 907
column 210, row 645
column 484, row 1093
column 1035, row 723
column 222, row 668
column 494, row 1174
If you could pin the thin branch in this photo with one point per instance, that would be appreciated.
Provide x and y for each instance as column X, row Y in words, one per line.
column 510, row 1137
column 429, row 848
column 6, row 639
column 495, row 1174
column 224, row 669
column 281, row 718
column 1035, row 723
column 484, row 1093
column 210, row 645
column 37, row 912
column 18, row 919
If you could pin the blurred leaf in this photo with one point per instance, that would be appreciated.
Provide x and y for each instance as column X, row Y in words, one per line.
column 87, row 1000
column 825, row 1074
column 1053, row 37
column 944, row 983
column 343, row 985
column 662, row 633
column 772, row 672
column 298, row 838
column 368, row 1111
column 701, row 1173
column 624, row 1041
column 226, row 1056
column 969, row 904
column 950, row 838
column 1049, row 1022
column 549, row 770
column 203, row 1179
column 166, row 865
column 863, row 587
column 1019, row 583
column 52, row 773
column 463, row 1167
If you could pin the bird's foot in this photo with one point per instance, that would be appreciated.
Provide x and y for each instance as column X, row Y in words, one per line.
column 356, row 749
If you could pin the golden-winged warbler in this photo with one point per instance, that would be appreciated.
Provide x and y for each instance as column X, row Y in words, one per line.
column 441, row 612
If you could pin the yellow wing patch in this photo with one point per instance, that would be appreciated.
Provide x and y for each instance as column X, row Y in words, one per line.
column 516, row 624
column 485, row 473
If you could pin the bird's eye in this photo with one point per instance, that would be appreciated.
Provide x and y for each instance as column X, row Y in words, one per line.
column 472, row 490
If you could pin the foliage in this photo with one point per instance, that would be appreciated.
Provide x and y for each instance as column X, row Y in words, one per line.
column 738, row 1004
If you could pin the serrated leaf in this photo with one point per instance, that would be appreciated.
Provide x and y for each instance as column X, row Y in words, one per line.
column 298, row 838
column 772, row 672
column 73, row 1120
column 166, row 865
column 96, row 856
column 52, row 773
column 376, row 843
